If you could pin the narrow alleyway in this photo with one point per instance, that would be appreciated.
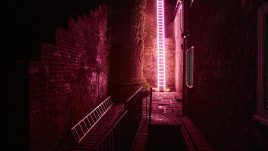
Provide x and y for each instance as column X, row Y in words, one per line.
column 164, row 131
column 73, row 75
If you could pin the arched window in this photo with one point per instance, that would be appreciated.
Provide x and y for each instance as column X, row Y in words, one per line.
column 189, row 62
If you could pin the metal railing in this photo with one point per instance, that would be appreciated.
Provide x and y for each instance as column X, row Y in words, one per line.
column 121, row 136
column 133, row 118
column 80, row 130
column 111, row 141
column 150, row 106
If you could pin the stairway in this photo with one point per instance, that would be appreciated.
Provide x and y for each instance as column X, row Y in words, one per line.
column 161, row 81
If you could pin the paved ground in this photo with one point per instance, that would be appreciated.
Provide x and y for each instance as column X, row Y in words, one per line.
column 165, row 112
column 165, row 109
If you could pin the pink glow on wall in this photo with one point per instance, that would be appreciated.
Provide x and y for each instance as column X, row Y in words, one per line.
column 161, row 71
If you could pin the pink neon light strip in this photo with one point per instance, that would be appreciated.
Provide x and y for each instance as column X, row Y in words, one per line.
column 161, row 65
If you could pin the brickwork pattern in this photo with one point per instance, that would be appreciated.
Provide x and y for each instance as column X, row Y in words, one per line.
column 70, row 80
column 126, row 22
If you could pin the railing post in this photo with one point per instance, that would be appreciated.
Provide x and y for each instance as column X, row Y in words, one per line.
column 150, row 105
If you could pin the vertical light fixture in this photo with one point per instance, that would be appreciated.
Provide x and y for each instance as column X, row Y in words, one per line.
column 161, row 67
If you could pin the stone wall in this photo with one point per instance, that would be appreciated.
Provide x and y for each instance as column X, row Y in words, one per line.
column 126, row 23
column 150, row 50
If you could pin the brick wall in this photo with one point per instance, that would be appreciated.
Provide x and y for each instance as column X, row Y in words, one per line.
column 150, row 50
column 223, row 102
column 70, row 80
column 126, row 23
column 170, row 62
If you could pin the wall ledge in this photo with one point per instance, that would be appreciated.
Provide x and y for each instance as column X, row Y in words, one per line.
column 193, row 137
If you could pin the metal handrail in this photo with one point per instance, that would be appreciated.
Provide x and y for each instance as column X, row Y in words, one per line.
column 110, row 131
column 113, row 139
column 104, row 107
column 133, row 94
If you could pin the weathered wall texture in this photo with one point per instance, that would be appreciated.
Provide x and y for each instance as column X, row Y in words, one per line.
column 224, row 34
column 126, row 22
column 170, row 62
column 70, row 80
column 150, row 50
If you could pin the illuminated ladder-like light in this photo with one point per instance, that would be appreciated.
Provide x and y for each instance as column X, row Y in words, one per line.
column 161, row 73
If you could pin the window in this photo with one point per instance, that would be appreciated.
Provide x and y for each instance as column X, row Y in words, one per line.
column 189, row 66
column 262, row 81
column 191, row 2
